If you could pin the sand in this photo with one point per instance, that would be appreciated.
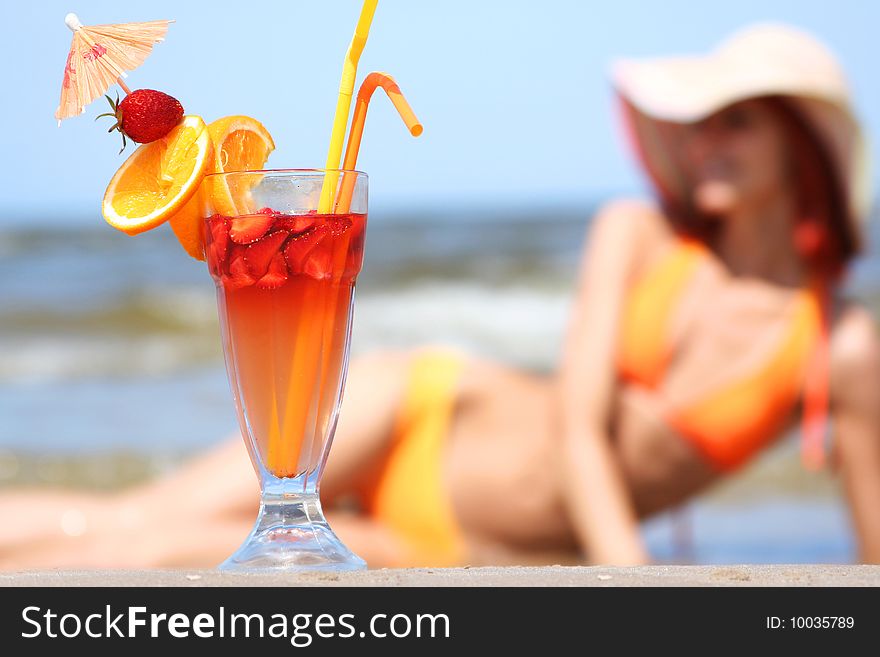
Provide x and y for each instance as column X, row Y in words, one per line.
column 775, row 575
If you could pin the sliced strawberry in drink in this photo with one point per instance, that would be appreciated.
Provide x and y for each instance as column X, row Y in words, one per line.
column 338, row 225
column 276, row 274
column 303, row 223
column 219, row 227
column 355, row 257
column 238, row 275
column 233, row 252
column 296, row 223
column 319, row 263
column 298, row 248
column 214, row 262
column 258, row 255
column 216, row 243
column 249, row 228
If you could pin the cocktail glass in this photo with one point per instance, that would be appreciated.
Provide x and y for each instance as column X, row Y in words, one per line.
column 285, row 278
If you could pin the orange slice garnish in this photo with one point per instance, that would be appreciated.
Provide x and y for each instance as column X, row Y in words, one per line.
column 241, row 143
column 159, row 178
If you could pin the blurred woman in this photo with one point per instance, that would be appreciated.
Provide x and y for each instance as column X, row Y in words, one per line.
column 706, row 323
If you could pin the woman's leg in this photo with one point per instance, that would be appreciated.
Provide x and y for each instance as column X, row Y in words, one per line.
column 374, row 392
column 203, row 511
column 370, row 540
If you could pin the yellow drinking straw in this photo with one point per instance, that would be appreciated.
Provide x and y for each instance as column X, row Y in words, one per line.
column 343, row 104
column 297, row 420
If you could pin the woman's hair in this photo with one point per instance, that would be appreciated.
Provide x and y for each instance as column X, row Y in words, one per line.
column 823, row 235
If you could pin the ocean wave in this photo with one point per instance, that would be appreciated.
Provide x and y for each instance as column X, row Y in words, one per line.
column 518, row 324
column 145, row 310
column 44, row 359
column 159, row 334
column 95, row 303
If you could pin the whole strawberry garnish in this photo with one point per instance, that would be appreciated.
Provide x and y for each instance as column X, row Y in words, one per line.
column 144, row 115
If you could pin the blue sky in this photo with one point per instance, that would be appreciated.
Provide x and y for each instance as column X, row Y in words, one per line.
column 513, row 95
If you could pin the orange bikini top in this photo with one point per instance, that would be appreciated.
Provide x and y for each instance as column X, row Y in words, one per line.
column 730, row 423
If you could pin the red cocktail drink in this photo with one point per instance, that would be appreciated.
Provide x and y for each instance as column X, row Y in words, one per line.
column 285, row 303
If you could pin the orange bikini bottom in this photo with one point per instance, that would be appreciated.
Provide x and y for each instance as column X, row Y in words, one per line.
column 408, row 495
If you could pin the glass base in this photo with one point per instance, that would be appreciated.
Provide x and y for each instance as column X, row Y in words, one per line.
column 292, row 535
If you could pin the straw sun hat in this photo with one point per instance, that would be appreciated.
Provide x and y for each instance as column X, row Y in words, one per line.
column 762, row 60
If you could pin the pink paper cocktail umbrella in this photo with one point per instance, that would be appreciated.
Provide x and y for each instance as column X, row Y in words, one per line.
column 99, row 57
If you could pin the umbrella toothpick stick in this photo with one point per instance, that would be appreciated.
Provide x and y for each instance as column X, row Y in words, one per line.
column 72, row 21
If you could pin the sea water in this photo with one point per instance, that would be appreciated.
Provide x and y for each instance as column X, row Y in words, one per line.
column 111, row 369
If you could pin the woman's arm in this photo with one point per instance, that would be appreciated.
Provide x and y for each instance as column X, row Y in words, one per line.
column 595, row 493
column 855, row 406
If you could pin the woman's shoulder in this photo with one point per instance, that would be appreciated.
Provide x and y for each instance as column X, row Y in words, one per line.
column 632, row 214
column 855, row 348
column 632, row 226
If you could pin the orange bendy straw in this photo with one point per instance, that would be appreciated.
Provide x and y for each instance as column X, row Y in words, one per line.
column 343, row 103
column 365, row 93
